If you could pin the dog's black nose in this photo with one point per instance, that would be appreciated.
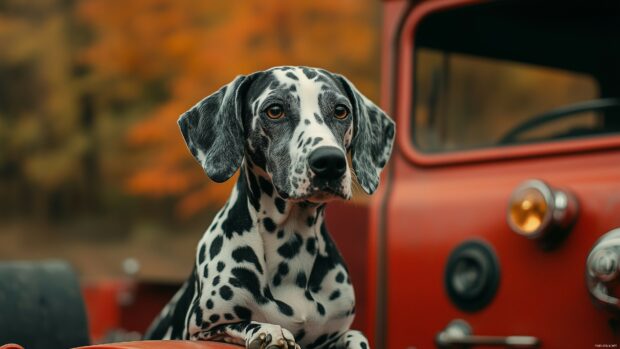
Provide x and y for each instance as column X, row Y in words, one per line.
column 328, row 162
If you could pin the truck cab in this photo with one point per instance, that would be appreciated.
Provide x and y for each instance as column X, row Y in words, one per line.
column 497, row 219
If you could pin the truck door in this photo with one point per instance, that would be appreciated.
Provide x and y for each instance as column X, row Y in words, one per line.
column 505, row 176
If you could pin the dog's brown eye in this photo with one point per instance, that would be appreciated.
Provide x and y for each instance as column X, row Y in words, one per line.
column 341, row 112
column 275, row 111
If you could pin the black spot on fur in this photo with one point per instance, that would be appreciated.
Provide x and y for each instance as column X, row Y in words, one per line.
column 226, row 292
column 320, row 308
column 254, row 194
column 340, row 277
column 307, row 122
column 308, row 295
column 311, row 245
column 310, row 221
column 280, row 205
column 301, row 280
column 205, row 271
column 300, row 335
column 201, row 254
column 292, row 76
column 317, row 140
column 216, row 280
column 243, row 313
column 363, row 345
column 221, row 213
column 334, row 295
column 238, row 219
column 265, row 186
column 269, row 224
column 277, row 280
column 248, row 280
column 283, row 269
column 216, row 246
column 310, row 74
column 198, row 316
column 318, row 342
column 209, row 304
column 229, row 316
column 252, row 328
column 280, row 234
column 267, row 293
column 220, row 266
column 284, row 308
column 318, row 119
column 291, row 248
column 214, row 318
column 247, row 254
column 274, row 84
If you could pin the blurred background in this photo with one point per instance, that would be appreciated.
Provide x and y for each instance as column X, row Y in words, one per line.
column 92, row 166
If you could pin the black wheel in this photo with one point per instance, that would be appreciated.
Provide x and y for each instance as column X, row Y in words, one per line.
column 41, row 306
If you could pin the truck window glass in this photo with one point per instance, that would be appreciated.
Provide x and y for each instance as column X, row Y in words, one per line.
column 496, row 75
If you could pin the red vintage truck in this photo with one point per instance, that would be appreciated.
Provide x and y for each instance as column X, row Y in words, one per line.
column 496, row 223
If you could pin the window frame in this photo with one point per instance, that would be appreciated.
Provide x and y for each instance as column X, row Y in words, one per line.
column 405, row 110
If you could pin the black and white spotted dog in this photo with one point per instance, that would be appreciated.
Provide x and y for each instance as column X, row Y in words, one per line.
column 267, row 274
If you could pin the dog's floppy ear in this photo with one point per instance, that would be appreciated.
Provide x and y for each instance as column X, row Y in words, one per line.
column 373, row 137
column 213, row 130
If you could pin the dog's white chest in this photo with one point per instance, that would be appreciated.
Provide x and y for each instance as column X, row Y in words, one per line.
column 315, row 313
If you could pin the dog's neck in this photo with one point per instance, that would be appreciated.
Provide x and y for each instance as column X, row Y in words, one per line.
column 273, row 212
column 292, row 232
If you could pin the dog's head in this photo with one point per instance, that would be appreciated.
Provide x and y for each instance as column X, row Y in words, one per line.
column 295, row 125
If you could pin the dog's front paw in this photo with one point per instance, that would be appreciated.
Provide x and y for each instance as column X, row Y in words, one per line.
column 354, row 340
column 269, row 336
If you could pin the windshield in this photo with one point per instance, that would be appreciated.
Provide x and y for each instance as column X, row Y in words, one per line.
column 494, row 75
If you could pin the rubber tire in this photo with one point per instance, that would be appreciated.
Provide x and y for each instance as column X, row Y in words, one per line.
column 41, row 305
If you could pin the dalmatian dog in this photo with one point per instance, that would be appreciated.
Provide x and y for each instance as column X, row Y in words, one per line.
column 267, row 274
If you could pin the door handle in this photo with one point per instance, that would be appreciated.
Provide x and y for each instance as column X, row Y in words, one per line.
column 458, row 334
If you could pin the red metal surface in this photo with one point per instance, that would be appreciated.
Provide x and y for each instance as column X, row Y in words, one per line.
column 11, row 346
column 163, row 345
column 102, row 306
column 124, row 304
column 148, row 299
column 432, row 209
column 392, row 11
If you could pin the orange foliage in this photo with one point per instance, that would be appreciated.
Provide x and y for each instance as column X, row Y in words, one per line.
column 191, row 48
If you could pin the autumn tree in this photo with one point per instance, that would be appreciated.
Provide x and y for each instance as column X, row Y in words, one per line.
column 47, row 162
column 165, row 55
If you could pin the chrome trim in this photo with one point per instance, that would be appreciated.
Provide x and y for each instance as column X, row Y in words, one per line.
column 562, row 208
column 458, row 334
column 603, row 268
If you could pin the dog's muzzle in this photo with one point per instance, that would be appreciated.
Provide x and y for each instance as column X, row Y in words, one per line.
column 329, row 165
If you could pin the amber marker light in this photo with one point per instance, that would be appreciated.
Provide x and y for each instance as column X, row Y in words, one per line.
column 536, row 209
